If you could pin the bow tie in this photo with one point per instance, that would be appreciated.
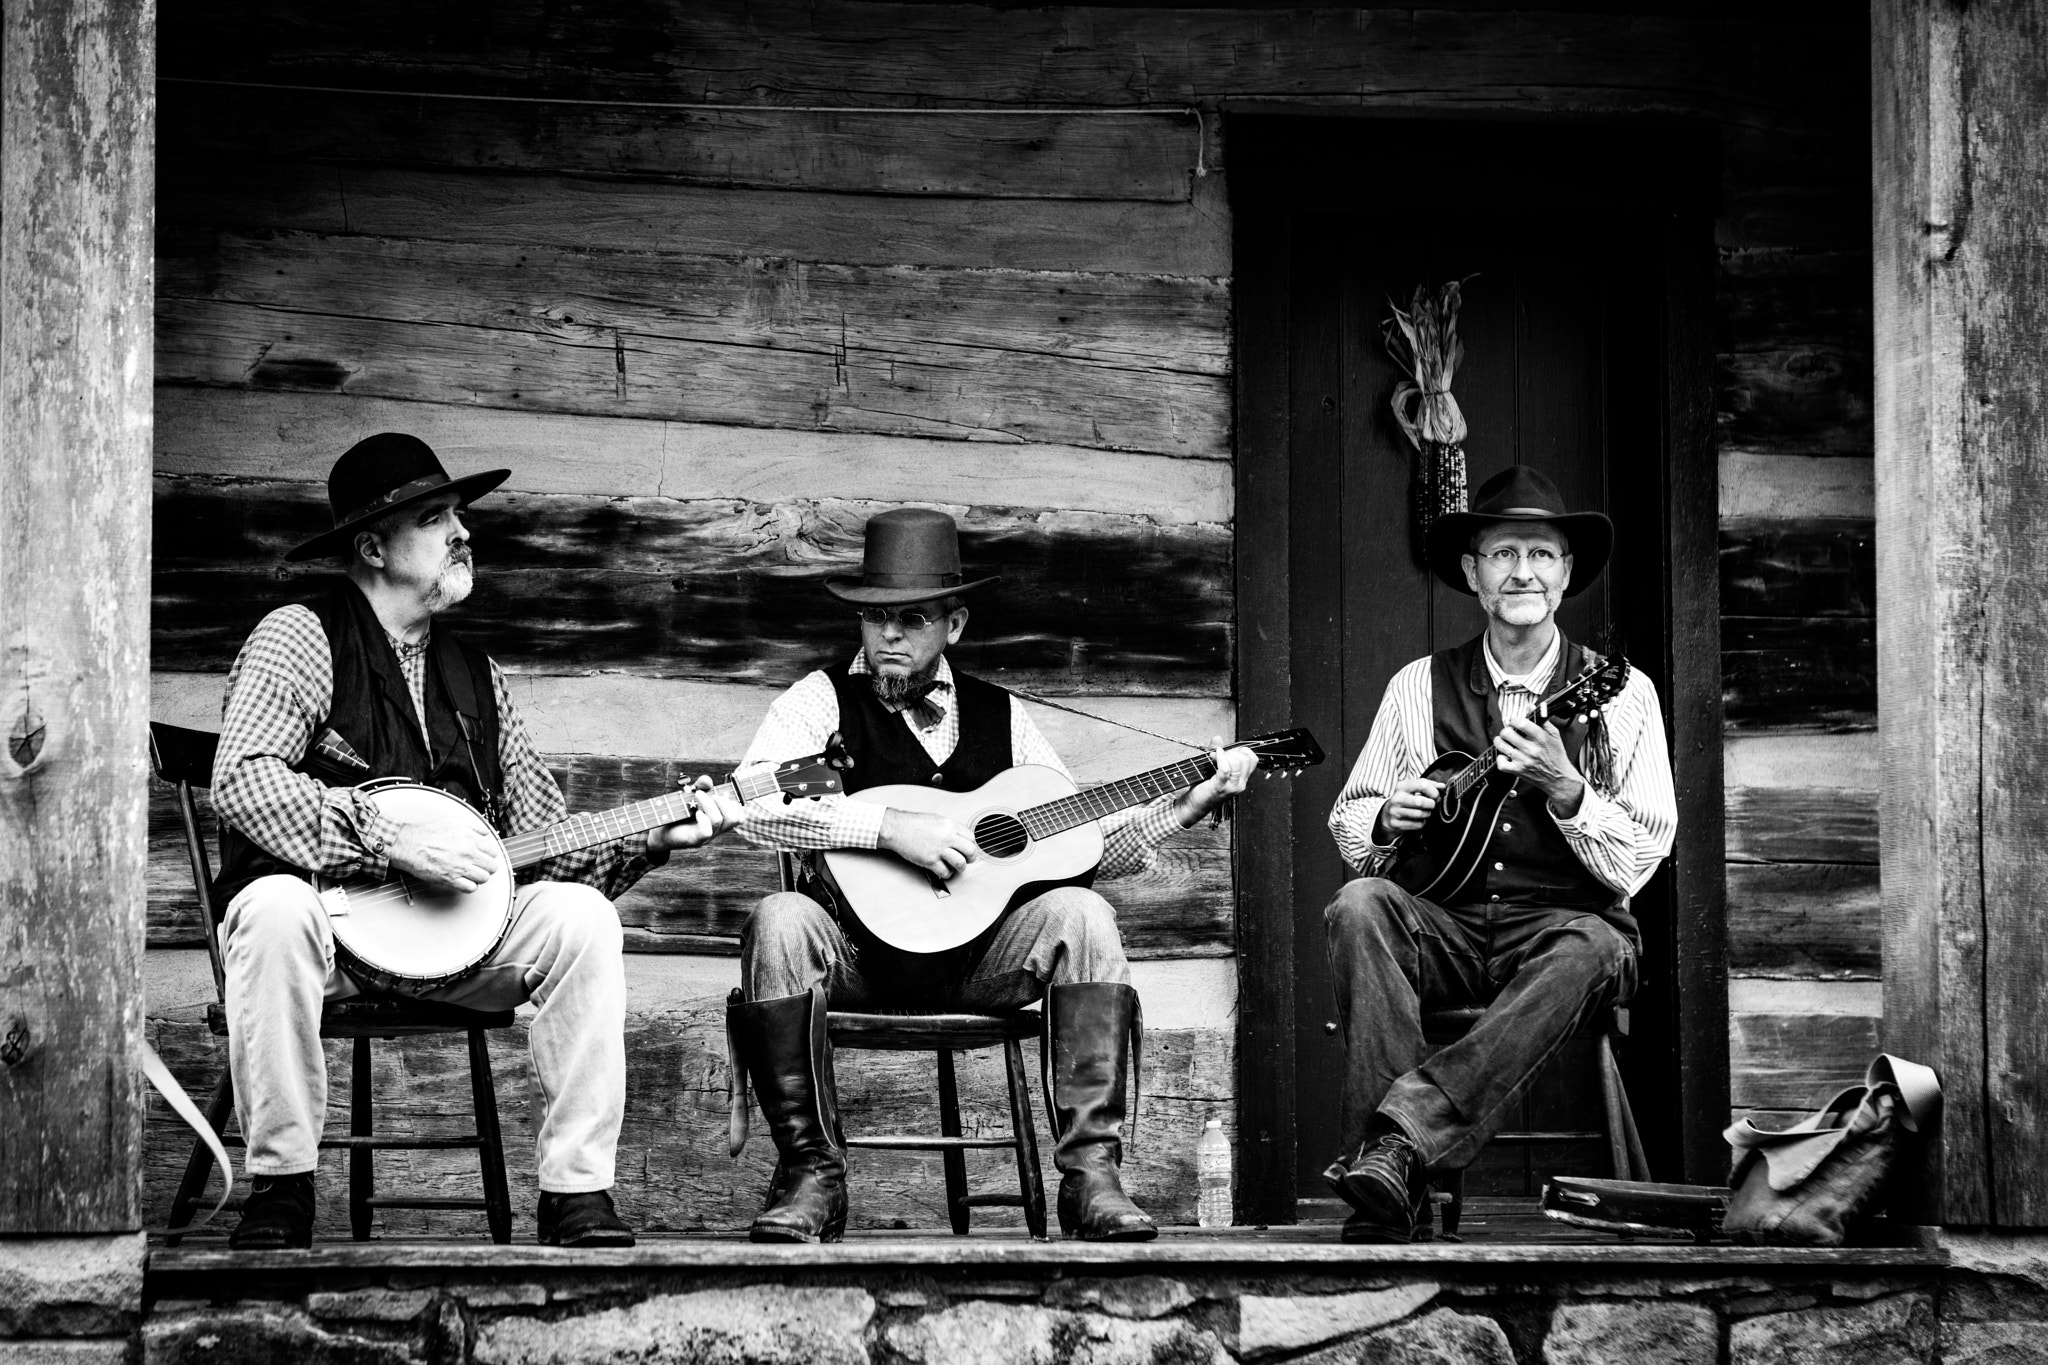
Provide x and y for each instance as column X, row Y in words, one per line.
column 924, row 712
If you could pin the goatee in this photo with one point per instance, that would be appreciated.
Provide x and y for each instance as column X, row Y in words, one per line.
column 452, row 586
column 895, row 691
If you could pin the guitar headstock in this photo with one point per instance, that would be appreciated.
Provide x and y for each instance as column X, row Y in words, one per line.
column 1284, row 753
column 812, row 775
column 1588, row 692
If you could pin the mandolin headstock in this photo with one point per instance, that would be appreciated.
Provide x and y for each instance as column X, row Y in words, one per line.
column 1588, row 692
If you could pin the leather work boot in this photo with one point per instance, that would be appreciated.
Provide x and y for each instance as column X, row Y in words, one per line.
column 580, row 1220
column 1088, row 1042
column 783, row 1045
column 277, row 1216
column 1387, row 1190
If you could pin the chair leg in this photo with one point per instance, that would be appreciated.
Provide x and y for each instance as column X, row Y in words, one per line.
column 362, row 1173
column 218, row 1106
column 491, row 1155
column 954, row 1159
column 1030, row 1183
column 1620, row 1123
column 1453, row 1184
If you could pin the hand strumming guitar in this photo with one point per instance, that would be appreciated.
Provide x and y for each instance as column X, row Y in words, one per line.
column 940, row 846
column 450, row 852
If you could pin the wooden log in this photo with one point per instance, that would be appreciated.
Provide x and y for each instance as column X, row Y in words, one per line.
column 1811, row 399
column 1800, row 217
column 1802, row 825
column 1778, row 298
column 673, row 1172
column 1798, row 568
column 76, row 116
column 1151, row 155
column 726, row 590
column 1781, row 671
column 1840, row 762
column 1098, row 235
column 1183, row 907
column 1797, row 1061
column 1795, row 487
column 1818, row 920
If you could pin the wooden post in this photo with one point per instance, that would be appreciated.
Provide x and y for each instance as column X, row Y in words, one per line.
column 1960, row 128
column 76, row 183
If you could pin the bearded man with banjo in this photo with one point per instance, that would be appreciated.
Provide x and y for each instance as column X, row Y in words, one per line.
column 1501, row 880
column 913, row 726
column 357, row 685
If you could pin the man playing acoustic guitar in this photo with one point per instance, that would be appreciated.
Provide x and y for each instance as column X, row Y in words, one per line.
column 357, row 685
column 907, row 717
column 1538, row 930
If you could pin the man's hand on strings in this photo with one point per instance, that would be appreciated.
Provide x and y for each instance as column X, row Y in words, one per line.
column 1234, row 768
column 1407, row 807
column 940, row 846
column 454, row 852
column 1535, row 753
column 716, row 813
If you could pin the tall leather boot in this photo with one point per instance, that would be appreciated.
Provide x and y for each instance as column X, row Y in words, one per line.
column 788, row 1056
column 1088, row 1043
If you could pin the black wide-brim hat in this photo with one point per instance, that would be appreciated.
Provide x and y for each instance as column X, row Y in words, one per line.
column 908, row 554
column 1520, row 493
column 382, row 474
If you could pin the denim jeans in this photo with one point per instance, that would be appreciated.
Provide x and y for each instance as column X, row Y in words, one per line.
column 1538, row 971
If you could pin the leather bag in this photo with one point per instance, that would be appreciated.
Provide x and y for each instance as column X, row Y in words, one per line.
column 1814, row 1183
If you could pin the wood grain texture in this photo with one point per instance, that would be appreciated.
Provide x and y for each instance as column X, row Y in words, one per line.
column 76, row 118
column 1790, row 671
column 1802, row 825
column 1819, row 920
column 1132, row 362
column 673, row 1172
column 1149, row 156
column 1810, row 399
column 1097, row 235
column 1795, row 487
column 250, row 434
column 1797, row 1061
column 730, row 591
column 1798, row 568
column 1183, row 907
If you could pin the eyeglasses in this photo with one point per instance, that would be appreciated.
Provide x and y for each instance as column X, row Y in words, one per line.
column 911, row 618
column 1541, row 557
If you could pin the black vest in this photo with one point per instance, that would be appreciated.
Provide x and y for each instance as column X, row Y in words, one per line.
column 372, row 711
column 885, row 752
column 1537, row 865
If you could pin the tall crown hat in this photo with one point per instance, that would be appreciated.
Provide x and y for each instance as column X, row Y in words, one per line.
column 908, row 554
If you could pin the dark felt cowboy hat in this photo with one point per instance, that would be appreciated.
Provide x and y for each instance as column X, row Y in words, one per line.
column 908, row 554
column 1520, row 493
column 377, row 476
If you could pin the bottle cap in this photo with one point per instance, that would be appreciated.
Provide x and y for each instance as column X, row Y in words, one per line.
column 1215, row 1123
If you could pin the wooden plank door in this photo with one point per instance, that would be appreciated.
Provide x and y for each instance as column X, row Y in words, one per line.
column 1567, row 335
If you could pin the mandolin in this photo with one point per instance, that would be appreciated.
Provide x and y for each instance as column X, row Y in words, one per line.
column 405, row 938
column 1437, row 860
column 1035, row 830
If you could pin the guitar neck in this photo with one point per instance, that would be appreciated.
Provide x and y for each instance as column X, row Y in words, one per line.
column 579, row 832
column 1111, row 797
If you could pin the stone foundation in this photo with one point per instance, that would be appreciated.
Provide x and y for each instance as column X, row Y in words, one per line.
column 1182, row 1301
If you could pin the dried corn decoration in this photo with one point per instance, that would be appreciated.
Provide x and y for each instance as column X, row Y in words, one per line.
column 1423, row 342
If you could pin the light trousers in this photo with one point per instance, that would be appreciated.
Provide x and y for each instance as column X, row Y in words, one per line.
column 562, row 953
column 1069, row 934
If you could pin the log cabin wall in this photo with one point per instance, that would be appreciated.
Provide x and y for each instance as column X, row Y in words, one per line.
column 983, row 264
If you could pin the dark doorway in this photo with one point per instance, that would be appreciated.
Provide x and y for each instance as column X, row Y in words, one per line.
column 1587, row 255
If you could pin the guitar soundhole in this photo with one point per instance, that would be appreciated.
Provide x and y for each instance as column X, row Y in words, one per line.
column 1000, row 835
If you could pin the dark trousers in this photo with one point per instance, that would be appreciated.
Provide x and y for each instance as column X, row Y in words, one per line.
column 1539, row 972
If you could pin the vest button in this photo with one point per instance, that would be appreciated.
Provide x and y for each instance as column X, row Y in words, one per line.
column 1493, row 898
column 1505, row 826
column 938, row 779
column 1500, row 867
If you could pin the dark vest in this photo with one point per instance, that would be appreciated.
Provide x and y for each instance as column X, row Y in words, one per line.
column 373, row 712
column 885, row 752
column 1537, row 865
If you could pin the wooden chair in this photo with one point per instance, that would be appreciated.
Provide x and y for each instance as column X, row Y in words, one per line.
column 1617, row 1134
column 184, row 759
column 943, row 1035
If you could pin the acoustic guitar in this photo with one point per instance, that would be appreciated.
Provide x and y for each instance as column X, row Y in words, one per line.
column 1034, row 829
column 1441, row 857
column 402, row 937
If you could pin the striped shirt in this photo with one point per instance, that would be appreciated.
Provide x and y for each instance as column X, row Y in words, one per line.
column 279, row 693
column 1620, row 835
column 803, row 719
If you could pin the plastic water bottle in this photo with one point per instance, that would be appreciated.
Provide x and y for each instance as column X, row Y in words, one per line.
column 1212, row 1169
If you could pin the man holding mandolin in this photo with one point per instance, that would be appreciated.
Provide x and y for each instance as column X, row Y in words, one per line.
column 357, row 685
column 919, row 732
column 1514, row 792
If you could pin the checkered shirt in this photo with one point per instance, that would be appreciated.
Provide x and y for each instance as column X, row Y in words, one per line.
column 279, row 693
column 802, row 719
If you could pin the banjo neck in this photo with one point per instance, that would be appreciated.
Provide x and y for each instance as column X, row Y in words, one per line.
column 603, row 827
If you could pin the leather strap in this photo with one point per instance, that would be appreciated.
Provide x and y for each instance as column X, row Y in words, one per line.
column 174, row 1095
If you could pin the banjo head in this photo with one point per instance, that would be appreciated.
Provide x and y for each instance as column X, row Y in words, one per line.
column 398, row 935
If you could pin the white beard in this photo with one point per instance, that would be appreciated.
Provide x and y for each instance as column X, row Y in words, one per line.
column 451, row 587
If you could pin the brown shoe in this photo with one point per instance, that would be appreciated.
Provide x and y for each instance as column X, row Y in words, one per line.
column 580, row 1220
column 277, row 1216
column 1386, row 1188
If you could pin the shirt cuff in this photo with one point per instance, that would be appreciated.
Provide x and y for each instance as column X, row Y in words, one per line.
column 857, row 824
column 374, row 832
column 1582, row 821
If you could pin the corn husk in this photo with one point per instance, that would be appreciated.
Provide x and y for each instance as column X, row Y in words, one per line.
column 1423, row 342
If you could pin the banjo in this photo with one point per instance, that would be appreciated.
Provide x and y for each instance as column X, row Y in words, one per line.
column 402, row 937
